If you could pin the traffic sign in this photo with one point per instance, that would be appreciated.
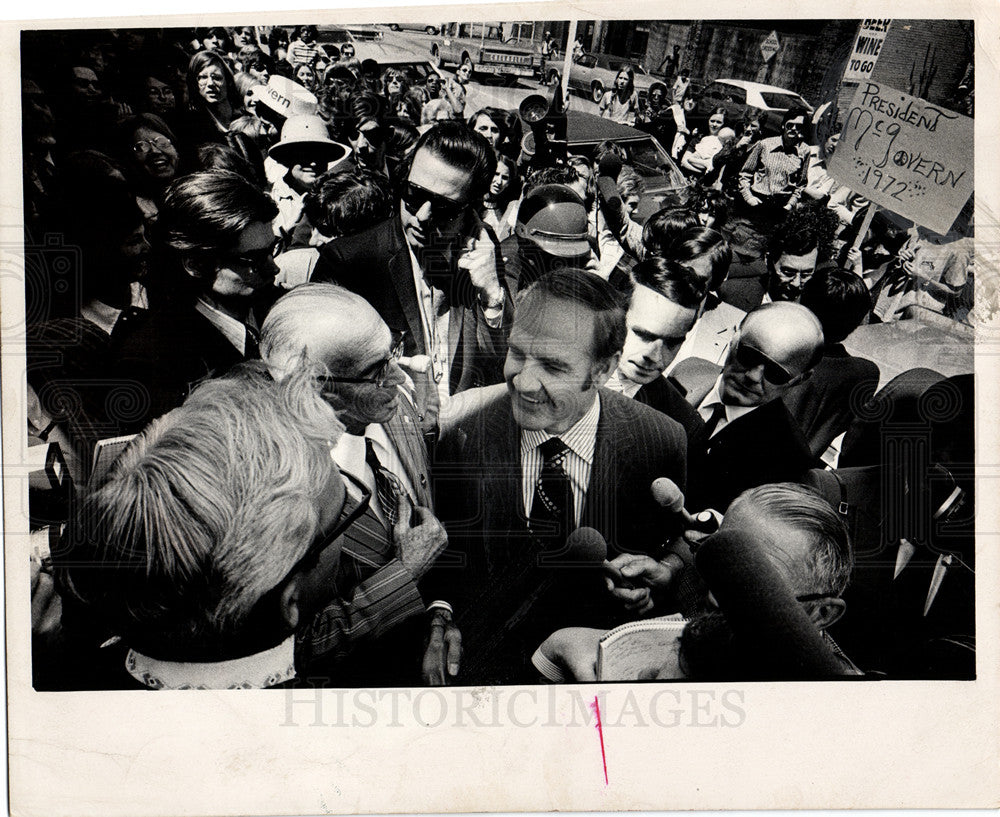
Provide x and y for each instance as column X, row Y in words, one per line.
column 770, row 46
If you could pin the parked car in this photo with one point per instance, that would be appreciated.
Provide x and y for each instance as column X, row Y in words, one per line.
column 662, row 180
column 331, row 38
column 481, row 46
column 427, row 29
column 593, row 74
column 737, row 95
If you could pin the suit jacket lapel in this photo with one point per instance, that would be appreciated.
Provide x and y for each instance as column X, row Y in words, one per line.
column 404, row 431
column 401, row 274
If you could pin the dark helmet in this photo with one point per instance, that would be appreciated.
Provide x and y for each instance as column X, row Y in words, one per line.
column 555, row 218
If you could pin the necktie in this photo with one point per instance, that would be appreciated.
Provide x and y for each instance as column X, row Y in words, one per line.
column 718, row 412
column 552, row 508
column 387, row 487
column 251, row 347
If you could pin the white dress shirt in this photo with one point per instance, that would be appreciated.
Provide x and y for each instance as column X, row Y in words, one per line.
column 581, row 439
column 714, row 398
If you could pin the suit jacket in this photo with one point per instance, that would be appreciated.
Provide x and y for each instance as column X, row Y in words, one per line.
column 763, row 446
column 170, row 353
column 376, row 265
column 379, row 592
column 663, row 395
column 824, row 405
column 745, row 285
column 884, row 627
column 493, row 562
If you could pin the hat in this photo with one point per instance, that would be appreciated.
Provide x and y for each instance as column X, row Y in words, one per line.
column 285, row 97
column 306, row 131
column 555, row 218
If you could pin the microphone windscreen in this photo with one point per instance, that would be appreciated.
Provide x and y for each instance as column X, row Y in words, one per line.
column 762, row 610
column 586, row 545
column 667, row 494
column 610, row 165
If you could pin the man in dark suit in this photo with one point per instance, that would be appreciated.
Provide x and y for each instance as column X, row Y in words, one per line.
column 339, row 336
column 841, row 383
column 435, row 272
column 205, row 316
column 664, row 304
column 529, row 465
column 753, row 439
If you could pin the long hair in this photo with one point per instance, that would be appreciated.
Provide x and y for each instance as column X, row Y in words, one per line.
column 198, row 63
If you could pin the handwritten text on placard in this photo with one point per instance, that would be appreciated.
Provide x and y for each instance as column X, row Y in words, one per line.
column 907, row 155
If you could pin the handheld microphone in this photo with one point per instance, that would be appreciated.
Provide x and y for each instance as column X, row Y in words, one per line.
column 584, row 546
column 778, row 639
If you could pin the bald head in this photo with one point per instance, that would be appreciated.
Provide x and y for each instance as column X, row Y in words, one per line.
column 775, row 349
column 327, row 325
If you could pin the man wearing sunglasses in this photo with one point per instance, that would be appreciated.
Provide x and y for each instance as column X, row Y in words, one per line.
column 356, row 362
column 218, row 536
column 774, row 171
column 218, row 284
column 752, row 438
column 435, row 271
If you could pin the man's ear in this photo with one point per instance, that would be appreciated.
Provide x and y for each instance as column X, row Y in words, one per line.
column 827, row 612
column 201, row 269
column 602, row 370
column 290, row 601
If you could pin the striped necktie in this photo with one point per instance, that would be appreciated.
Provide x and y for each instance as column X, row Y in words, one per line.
column 387, row 487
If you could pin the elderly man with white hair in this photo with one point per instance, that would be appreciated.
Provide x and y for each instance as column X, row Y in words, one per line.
column 342, row 341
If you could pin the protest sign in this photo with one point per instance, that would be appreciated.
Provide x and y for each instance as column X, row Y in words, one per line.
column 907, row 155
column 867, row 45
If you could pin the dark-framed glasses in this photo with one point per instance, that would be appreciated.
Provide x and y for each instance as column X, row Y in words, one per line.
column 750, row 358
column 378, row 378
column 442, row 208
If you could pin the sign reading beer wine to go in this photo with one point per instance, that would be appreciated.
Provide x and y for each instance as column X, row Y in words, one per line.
column 867, row 46
column 906, row 155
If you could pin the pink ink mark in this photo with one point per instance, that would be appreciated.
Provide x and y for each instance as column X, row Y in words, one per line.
column 596, row 706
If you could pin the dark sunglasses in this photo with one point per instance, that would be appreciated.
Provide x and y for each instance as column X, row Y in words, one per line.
column 255, row 259
column 375, row 136
column 442, row 208
column 750, row 358
column 380, row 375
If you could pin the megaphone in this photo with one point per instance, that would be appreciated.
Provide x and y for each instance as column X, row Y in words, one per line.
column 533, row 109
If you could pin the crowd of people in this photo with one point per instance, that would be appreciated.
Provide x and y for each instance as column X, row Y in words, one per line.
column 416, row 395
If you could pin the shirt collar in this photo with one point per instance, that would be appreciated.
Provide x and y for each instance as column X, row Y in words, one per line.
column 349, row 454
column 580, row 438
column 623, row 385
column 257, row 671
column 233, row 330
column 100, row 314
column 715, row 396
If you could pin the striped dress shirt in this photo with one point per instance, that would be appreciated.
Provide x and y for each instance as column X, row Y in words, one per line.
column 581, row 439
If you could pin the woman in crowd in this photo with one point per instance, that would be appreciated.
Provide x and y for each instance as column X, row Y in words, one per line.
column 500, row 203
column 395, row 86
column 214, row 100
column 621, row 103
column 455, row 89
column 154, row 93
column 149, row 149
column 305, row 75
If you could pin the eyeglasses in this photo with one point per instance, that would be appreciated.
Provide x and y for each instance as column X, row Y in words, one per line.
column 255, row 259
column 442, row 208
column 144, row 146
column 380, row 375
column 796, row 126
column 815, row 597
column 750, row 358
